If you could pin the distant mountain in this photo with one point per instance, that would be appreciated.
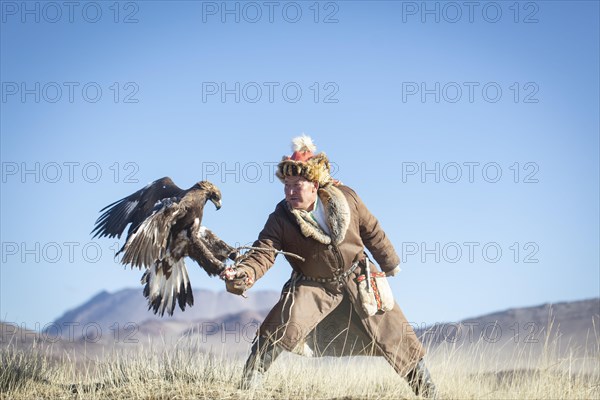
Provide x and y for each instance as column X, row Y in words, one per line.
column 566, row 325
column 125, row 311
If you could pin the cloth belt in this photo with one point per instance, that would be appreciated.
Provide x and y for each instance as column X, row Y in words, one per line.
column 338, row 278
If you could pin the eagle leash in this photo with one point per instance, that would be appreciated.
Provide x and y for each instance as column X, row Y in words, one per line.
column 285, row 253
column 238, row 284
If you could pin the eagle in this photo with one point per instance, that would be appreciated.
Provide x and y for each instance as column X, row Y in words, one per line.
column 165, row 227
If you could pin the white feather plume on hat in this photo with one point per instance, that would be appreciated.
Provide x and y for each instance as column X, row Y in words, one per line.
column 303, row 143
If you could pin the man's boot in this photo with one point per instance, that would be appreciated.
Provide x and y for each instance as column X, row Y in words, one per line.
column 420, row 381
column 262, row 355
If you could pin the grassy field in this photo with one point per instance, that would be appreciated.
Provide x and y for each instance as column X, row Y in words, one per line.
column 184, row 371
column 549, row 368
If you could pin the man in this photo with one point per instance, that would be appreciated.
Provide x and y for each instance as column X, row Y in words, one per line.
column 320, row 311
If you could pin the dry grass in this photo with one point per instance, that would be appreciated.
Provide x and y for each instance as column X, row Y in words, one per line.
column 183, row 371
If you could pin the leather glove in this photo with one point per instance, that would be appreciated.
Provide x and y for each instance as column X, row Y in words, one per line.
column 238, row 279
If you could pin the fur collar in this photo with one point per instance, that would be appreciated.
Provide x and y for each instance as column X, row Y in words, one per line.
column 337, row 212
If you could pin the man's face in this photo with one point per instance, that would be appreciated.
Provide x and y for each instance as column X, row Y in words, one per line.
column 300, row 193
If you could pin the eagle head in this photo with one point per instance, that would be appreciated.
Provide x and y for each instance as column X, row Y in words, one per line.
column 212, row 192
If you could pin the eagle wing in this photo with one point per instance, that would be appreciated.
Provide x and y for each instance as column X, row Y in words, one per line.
column 149, row 242
column 133, row 209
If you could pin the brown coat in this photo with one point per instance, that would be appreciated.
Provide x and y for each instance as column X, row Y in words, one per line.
column 325, row 318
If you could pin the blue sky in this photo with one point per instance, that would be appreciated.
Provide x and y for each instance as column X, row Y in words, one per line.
column 499, row 103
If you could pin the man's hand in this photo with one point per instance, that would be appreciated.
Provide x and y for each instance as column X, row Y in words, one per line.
column 238, row 279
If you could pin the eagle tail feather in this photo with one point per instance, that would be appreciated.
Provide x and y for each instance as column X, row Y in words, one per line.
column 167, row 285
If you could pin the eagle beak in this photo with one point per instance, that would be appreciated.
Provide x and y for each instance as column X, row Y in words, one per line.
column 217, row 203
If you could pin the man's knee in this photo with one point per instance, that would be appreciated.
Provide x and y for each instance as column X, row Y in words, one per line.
column 287, row 335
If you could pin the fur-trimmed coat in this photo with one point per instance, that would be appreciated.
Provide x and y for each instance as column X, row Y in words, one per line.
column 317, row 318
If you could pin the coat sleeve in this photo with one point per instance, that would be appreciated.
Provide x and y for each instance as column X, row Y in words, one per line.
column 375, row 239
column 258, row 262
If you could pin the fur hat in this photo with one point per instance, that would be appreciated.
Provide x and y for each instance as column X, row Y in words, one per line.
column 305, row 163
